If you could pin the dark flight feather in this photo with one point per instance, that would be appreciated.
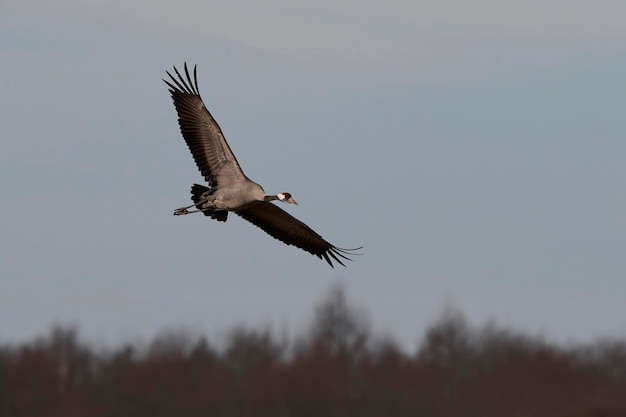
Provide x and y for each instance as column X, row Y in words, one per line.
column 281, row 225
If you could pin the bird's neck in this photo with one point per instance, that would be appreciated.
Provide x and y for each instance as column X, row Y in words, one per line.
column 269, row 197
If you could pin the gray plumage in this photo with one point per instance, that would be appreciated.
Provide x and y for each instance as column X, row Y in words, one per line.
column 229, row 188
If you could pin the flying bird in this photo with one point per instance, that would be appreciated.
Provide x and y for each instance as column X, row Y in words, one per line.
column 229, row 188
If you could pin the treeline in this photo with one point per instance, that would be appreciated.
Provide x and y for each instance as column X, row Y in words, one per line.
column 338, row 368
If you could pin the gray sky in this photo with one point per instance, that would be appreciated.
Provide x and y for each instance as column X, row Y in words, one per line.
column 476, row 151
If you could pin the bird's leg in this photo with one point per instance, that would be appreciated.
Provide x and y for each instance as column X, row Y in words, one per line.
column 183, row 210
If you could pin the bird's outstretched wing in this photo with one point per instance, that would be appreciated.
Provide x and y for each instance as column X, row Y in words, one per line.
column 283, row 226
column 205, row 139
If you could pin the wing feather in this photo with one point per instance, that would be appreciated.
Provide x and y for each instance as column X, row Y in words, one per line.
column 205, row 139
column 283, row 226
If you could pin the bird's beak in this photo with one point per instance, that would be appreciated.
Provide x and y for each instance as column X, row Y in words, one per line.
column 292, row 201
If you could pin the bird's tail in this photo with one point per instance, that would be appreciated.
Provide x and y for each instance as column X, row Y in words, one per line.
column 198, row 196
column 196, row 192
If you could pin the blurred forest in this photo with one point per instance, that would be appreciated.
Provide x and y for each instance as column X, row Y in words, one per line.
column 337, row 368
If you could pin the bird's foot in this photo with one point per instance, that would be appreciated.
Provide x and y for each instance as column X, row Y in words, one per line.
column 181, row 211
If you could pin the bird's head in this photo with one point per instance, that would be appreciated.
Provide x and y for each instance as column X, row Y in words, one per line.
column 286, row 198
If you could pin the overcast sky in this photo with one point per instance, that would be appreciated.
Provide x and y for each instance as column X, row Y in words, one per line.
column 475, row 149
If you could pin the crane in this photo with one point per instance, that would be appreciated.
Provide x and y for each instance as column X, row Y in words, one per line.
column 229, row 189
